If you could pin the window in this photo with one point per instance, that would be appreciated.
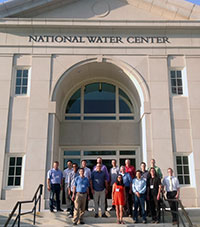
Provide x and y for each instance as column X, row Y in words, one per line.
column 176, row 82
column 183, row 173
column 15, row 171
column 21, row 86
column 99, row 101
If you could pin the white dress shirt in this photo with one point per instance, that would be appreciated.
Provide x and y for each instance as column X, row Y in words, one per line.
column 167, row 184
column 66, row 173
column 87, row 173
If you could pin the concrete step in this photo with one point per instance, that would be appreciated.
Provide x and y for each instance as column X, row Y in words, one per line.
column 61, row 219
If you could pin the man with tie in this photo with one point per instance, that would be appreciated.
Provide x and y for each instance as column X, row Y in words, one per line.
column 172, row 187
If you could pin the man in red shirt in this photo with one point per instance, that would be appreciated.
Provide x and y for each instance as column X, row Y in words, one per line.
column 129, row 169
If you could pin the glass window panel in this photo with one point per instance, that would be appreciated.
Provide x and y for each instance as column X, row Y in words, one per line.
column 72, row 118
column 122, row 161
column 74, row 104
column 180, row 90
column 18, row 171
column 17, row 91
column 127, row 152
column 25, row 81
column 180, row 178
column 106, row 162
column 24, row 90
column 185, row 160
column 11, row 171
column 179, row 170
column 125, row 104
column 187, row 179
column 17, row 181
column 173, row 90
column 74, row 160
column 100, row 118
column 99, row 98
column 19, row 161
column 91, row 163
column 19, row 73
column 179, row 74
column 12, row 161
column 178, row 160
column 18, row 81
column 25, row 73
column 186, row 169
column 173, row 74
column 179, row 82
column 173, row 82
column 72, row 153
column 99, row 153
column 126, row 118
column 10, row 181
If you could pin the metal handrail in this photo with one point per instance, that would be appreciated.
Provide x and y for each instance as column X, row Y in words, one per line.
column 18, row 205
column 179, row 204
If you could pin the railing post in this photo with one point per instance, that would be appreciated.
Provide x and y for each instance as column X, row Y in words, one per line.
column 19, row 214
column 41, row 186
column 34, row 210
column 177, row 203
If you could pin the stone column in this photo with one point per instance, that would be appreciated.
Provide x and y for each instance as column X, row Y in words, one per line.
column 160, row 113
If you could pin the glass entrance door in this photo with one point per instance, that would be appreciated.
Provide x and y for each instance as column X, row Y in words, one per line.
column 90, row 155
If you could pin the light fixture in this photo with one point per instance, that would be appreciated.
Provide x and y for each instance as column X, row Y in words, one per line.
column 100, row 87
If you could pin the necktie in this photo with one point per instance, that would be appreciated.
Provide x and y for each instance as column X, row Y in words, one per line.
column 170, row 184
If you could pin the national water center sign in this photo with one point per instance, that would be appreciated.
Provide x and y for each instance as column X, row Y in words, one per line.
column 92, row 39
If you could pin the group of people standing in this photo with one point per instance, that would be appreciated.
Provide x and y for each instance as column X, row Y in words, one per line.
column 129, row 188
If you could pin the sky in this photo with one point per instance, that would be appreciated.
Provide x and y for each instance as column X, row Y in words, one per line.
column 193, row 1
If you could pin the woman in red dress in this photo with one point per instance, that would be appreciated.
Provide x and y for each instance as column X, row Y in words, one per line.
column 118, row 198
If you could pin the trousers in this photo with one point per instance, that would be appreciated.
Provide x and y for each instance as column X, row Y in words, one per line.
column 55, row 190
column 99, row 196
column 173, row 205
column 79, row 206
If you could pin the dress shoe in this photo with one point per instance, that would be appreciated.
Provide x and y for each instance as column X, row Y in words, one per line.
column 104, row 215
column 60, row 210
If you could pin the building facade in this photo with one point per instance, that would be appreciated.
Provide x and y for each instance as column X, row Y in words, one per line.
column 111, row 78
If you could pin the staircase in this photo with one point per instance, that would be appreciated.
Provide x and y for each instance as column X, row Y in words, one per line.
column 61, row 219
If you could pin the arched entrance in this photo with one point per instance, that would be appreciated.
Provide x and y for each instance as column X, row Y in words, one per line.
column 80, row 132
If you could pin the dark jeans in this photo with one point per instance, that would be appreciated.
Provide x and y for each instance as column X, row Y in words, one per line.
column 55, row 190
column 71, row 204
column 173, row 205
column 129, row 201
column 155, row 208
column 139, row 201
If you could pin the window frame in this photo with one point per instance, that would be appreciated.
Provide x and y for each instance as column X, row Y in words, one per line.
column 28, row 83
column 117, row 114
column 20, row 155
column 184, row 81
column 191, row 172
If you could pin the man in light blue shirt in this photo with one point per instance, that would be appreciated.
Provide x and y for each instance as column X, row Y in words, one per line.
column 87, row 173
column 54, row 185
column 80, row 192
column 71, row 183
column 139, row 190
